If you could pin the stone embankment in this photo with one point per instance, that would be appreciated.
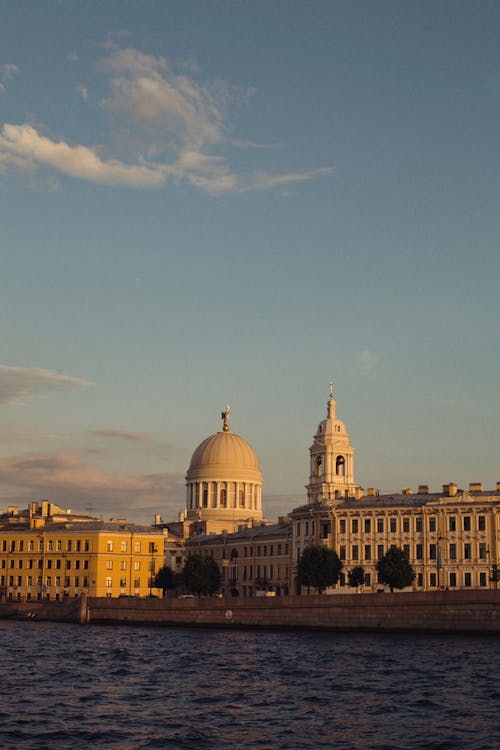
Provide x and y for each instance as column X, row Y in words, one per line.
column 438, row 611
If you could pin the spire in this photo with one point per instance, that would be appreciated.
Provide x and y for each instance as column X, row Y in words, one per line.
column 225, row 419
column 331, row 403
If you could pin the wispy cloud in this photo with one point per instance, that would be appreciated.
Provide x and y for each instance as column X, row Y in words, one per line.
column 7, row 72
column 121, row 434
column 20, row 384
column 65, row 479
column 176, row 123
column 366, row 363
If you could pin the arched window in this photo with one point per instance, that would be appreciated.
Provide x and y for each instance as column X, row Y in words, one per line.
column 340, row 466
column 242, row 498
column 205, row 497
column 318, row 466
column 223, row 498
column 213, row 498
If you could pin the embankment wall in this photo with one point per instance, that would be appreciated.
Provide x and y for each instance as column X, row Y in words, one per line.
column 439, row 611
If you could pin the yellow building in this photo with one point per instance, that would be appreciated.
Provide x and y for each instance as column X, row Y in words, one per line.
column 49, row 553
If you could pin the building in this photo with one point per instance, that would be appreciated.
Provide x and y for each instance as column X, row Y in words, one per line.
column 254, row 561
column 451, row 537
column 49, row 553
column 223, row 484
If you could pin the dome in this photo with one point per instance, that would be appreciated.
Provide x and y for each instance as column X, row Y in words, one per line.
column 224, row 455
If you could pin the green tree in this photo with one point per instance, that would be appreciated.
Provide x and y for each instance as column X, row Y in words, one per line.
column 356, row 577
column 495, row 575
column 394, row 569
column 201, row 574
column 319, row 567
column 164, row 579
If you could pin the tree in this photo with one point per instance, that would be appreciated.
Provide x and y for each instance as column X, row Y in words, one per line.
column 394, row 569
column 319, row 567
column 356, row 577
column 201, row 574
column 164, row 579
column 495, row 575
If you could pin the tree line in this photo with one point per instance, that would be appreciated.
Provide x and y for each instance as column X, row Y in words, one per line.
column 318, row 568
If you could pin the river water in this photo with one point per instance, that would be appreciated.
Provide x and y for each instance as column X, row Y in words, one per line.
column 141, row 688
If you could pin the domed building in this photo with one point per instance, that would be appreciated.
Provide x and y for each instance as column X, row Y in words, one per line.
column 224, row 483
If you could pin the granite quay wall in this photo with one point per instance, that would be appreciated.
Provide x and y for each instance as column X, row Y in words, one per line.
column 440, row 611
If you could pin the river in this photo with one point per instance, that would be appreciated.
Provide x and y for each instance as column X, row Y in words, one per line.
column 142, row 688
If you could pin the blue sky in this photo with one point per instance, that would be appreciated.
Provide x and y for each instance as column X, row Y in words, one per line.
column 205, row 203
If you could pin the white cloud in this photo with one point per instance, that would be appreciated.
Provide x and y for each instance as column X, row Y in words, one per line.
column 24, row 144
column 8, row 71
column 121, row 434
column 19, row 384
column 178, row 121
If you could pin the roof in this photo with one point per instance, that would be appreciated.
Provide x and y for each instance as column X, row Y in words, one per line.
column 283, row 530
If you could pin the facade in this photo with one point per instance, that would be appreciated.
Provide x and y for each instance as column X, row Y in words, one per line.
column 452, row 538
column 47, row 553
column 223, row 484
column 254, row 561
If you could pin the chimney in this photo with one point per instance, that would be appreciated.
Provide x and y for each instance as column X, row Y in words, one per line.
column 452, row 489
column 407, row 491
column 157, row 521
column 423, row 489
column 475, row 487
column 371, row 491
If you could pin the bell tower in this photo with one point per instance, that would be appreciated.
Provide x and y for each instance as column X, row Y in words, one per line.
column 331, row 474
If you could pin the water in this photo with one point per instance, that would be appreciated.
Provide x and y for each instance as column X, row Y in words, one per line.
column 128, row 688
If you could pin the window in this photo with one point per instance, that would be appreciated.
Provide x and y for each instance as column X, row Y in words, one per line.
column 109, row 564
column 137, row 546
column 432, row 552
column 86, row 545
column 432, row 580
column 78, row 545
column 406, row 525
column 49, row 564
column 67, row 582
column 467, row 580
column 368, row 552
column 31, row 545
column 355, row 552
column 380, row 551
column 368, row 579
column 418, row 524
column 368, row 525
column 342, row 552
column 85, row 564
column 85, row 581
column 77, row 564
column 340, row 466
column 50, row 545
column 59, row 545
column 452, row 523
column 29, row 580
column 20, row 564
column 467, row 550
column 354, row 525
column 123, row 582
column 137, row 566
column 123, row 565
column 482, row 551
column 481, row 523
column 307, row 530
column 109, row 545
column 109, row 582
column 380, row 525
column 453, row 580
column 4, row 545
column 482, row 579
column 137, row 583
column 12, row 546
column 48, row 581
column 406, row 550
column 420, row 579
column 453, row 551
column 58, row 581
column 123, row 546
column 466, row 523
column 69, row 545
column 432, row 523
column 342, row 525
column 58, row 564
column 21, row 545
column 68, row 564
column 393, row 525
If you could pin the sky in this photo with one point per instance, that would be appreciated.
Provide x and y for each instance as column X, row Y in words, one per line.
column 223, row 202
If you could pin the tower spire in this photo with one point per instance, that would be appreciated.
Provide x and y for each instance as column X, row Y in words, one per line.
column 331, row 402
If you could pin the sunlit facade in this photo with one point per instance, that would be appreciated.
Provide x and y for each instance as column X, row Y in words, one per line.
column 47, row 553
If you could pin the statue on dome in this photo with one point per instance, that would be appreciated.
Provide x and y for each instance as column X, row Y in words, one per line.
column 225, row 419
